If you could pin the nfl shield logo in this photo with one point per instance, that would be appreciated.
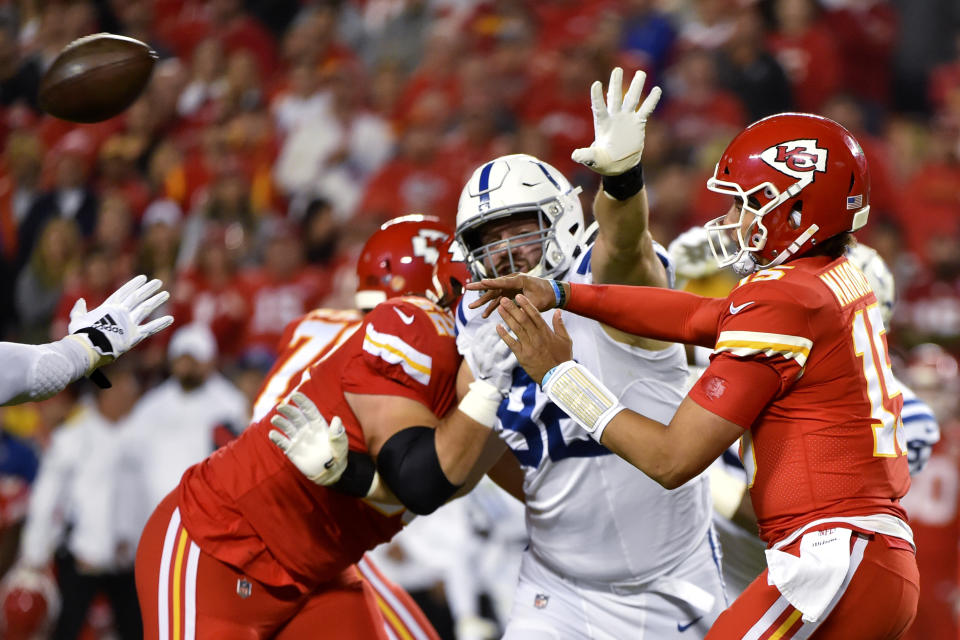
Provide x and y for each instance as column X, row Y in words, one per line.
column 244, row 588
column 540, row 600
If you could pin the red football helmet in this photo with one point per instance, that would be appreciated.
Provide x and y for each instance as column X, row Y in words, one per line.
column 450, row 274
column 803, row 177
column 398, row 259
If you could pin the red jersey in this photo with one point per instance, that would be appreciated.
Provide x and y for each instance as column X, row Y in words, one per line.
column 305, row 341
column 248, row 506
column 827, row 444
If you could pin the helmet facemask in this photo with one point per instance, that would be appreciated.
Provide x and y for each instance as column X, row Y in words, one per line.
column 482, row 258
column 758, row 202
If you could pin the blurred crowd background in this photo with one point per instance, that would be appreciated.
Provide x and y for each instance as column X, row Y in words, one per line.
column 275, row 135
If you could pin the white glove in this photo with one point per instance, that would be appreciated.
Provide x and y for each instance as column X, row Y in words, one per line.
column 317, row 449
column 114, row 327
column 490, row 359
column 691, row 254
column 618, row 126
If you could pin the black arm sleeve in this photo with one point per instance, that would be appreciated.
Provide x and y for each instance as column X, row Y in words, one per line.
column 409, row 465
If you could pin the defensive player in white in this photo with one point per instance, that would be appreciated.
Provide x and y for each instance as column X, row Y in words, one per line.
column 612, row 553
column 97, row 337
column 733, row 518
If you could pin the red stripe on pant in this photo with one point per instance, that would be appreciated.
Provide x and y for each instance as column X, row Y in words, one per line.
column 186, row 594
column 399, row 602
column 165, row 575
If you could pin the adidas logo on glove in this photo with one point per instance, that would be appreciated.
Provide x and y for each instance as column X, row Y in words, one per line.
column 106, row 323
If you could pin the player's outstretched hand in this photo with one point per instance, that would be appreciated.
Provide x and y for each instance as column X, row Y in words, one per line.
column 538, row 349
column 115, row 326
column 619, row 127
column 539, row 291
column 692, row 255
column 317, row 449
column 490, row 359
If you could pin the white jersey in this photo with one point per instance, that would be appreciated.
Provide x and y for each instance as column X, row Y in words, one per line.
column 592, row 516
column 920, row 429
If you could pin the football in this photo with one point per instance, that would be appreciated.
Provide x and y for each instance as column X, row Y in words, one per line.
column 96, row 77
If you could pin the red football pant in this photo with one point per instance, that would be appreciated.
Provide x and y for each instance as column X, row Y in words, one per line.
column 403, row 617
column 877, row 601
column 186, row 594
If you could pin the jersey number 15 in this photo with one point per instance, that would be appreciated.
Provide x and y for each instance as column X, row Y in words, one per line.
column 882, row 387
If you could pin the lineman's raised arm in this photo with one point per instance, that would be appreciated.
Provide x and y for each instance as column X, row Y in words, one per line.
column 623, row 252
column 97, row 337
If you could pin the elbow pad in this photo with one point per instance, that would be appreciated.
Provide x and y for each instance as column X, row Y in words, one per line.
column 408, row 463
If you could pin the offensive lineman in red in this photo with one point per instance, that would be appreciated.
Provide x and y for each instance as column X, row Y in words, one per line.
column 251, row 545
column 800, row 373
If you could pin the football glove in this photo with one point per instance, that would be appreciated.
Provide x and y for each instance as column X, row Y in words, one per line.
column 490, row 359
column 618, row 126
column 115, row 326
column 691, row 254
column 316, row 448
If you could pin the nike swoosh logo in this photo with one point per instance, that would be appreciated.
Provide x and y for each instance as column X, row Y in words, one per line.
column 735, row 310
column 683, row 627
column 406, row 319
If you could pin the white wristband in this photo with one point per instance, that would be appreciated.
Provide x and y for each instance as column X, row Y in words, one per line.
column 482, row 403
column 583, row 397
column 90, row 357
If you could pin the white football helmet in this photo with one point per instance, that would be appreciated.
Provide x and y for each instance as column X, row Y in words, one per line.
column 516, row 185
column 878, row 275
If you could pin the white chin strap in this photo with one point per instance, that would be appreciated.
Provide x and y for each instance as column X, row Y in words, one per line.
column 747, row 264
column 794, row 246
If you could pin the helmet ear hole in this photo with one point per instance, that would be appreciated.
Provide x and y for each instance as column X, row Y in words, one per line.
column 796, row 215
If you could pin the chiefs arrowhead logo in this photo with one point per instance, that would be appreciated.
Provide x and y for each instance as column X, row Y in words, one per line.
column 799, row 159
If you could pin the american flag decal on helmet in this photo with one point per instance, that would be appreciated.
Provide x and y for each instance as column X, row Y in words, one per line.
column 854, row 202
